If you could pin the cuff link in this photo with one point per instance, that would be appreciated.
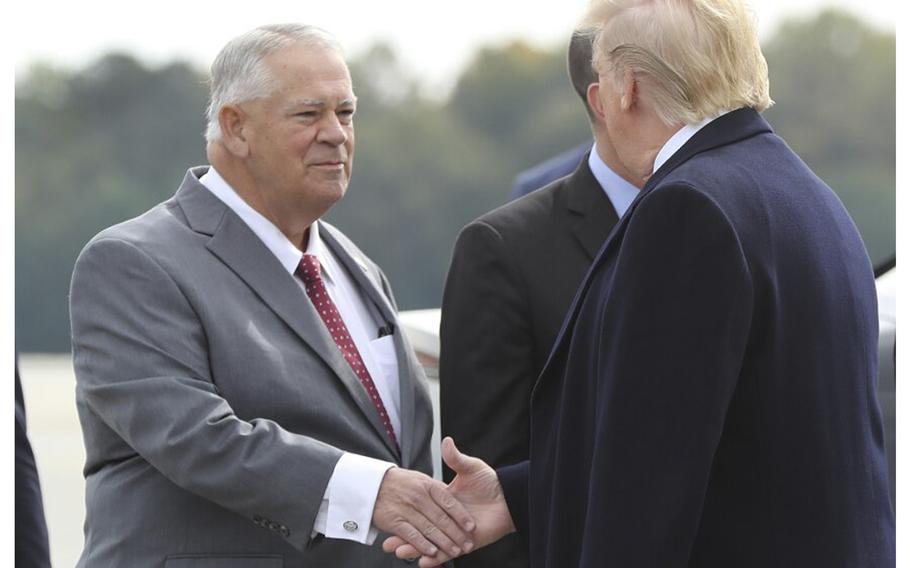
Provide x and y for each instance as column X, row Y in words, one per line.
column 350, row 526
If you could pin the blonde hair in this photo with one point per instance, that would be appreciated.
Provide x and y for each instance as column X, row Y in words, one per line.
column 694, row 58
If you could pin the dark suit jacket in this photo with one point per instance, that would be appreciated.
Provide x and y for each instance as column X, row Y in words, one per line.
column 31, row 530
column 710, row 401
column 513, row 275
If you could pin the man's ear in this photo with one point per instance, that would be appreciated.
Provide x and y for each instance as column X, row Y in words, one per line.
column 594, row 103
column 630, row 92
column 232, row 121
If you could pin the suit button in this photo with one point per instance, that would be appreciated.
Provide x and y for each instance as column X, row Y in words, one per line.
column 350, row 526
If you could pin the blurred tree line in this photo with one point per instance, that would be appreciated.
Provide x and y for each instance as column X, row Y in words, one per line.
column 104, row 143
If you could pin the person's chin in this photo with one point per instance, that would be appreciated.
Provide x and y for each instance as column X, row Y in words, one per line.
column 333, row 192
column 331, row 179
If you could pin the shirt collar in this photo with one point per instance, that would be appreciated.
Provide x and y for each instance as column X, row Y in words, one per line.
column 679, row 139
column 620, row 192
column 284, row 250
column 316, row 247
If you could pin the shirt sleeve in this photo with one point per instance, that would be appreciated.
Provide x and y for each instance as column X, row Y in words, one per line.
column 346, row 511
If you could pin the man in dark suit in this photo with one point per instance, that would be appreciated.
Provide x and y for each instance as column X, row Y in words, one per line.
column 513, row 275
column 711, row 399
column 246, row 396
column 31, row 529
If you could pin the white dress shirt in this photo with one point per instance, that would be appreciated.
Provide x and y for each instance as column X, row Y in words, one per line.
column 620, row 192
column 679, row 139
column 347, row 505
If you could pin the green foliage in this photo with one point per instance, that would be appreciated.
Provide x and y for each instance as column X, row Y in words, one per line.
column 104, row 143
column 510, row 92
column 93, row 148
column 424, row 169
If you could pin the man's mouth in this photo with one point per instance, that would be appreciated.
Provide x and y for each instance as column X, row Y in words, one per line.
column 329, row 165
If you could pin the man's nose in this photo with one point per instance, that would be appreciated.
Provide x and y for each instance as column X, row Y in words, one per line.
column 332, row 132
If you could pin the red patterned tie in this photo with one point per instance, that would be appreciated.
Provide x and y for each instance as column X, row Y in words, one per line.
column 308, row 271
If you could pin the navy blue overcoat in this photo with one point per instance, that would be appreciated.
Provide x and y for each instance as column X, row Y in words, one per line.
column 711, row 398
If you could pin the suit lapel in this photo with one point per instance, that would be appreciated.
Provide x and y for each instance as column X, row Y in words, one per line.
column 370, row 282
column 591, row 207
column 407, row 381
column 358, row 269
column 235, row 244
column 371, row 287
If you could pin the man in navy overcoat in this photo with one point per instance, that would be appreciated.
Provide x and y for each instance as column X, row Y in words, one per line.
column 711, row 400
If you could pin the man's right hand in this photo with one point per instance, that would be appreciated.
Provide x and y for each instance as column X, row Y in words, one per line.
column 477, row 487
column 422, row 512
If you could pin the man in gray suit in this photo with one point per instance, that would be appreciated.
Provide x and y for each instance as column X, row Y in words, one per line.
column 246, row 395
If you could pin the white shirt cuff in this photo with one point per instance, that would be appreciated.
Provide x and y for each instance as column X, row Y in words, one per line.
column 347, row 507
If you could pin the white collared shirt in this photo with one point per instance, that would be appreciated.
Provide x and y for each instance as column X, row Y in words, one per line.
column 352, row 489
column 679, row 139
column 620, row 192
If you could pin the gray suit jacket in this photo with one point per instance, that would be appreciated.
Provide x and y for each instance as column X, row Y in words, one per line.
column 214, row 403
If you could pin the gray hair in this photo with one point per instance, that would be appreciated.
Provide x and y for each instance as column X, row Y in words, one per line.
column 239, row 73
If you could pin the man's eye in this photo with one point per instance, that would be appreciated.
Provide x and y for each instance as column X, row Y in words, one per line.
column 307, row 114
column 345, row 117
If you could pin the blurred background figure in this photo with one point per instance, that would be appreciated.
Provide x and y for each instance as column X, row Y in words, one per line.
column 31, row 530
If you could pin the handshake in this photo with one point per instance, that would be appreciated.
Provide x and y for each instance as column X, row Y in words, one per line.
column 435, row 522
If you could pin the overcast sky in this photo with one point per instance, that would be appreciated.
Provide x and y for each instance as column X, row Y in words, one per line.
column 434, row 39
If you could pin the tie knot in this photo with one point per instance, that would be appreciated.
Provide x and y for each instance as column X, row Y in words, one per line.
column 308, row 269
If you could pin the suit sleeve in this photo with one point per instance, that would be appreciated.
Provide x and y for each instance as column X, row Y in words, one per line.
column 673, row 328
column 486, row 366
column 514, row 482
column 141, row 362
column 31, row 528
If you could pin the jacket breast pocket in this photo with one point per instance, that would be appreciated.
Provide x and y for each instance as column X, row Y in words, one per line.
column 224, row 561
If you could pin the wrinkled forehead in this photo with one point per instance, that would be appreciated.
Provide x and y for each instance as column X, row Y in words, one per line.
column 310, row 72
column 307, row 59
